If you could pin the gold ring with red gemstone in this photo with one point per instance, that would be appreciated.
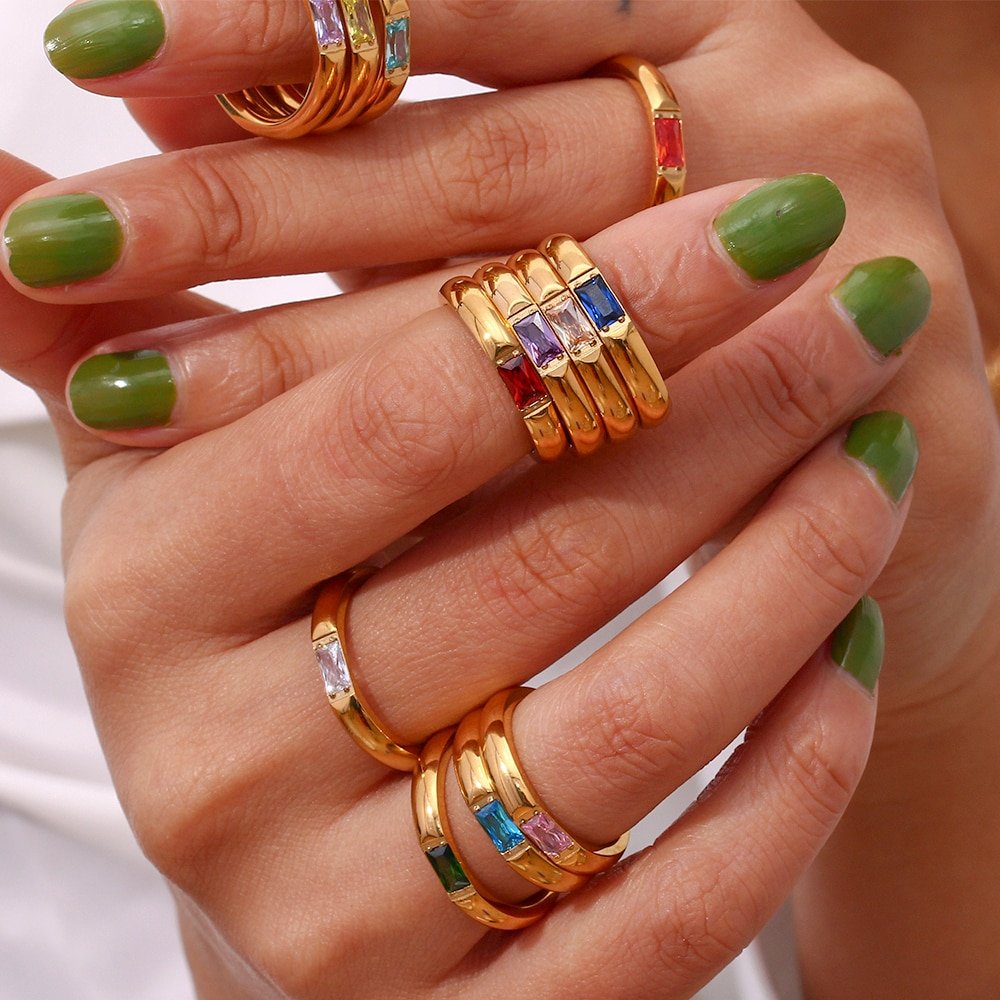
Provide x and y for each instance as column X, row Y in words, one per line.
column 362, row 63
column 564, row 346
column 665, row 121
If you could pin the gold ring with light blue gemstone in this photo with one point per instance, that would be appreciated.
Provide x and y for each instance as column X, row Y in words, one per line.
column 329, row 640
column 438, row 845
column 362, row 62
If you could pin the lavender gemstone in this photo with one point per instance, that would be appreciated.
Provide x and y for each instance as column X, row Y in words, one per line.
column 538, row 339
column 547, row 835
column 329, row 26
column 333, row 667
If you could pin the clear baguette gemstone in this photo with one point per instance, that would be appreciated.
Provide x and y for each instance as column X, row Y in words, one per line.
column 336, row 677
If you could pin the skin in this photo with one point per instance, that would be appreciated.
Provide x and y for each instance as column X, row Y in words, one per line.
column 939, row 593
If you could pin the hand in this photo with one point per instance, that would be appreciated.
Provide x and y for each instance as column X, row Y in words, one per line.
column 255, row 804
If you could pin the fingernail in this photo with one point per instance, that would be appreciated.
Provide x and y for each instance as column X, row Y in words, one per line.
column 104, row 37
column 123, row 391
column 56, row 241
column 781, row 225
column 888, row 299
column 887, row 443
column 858, row 642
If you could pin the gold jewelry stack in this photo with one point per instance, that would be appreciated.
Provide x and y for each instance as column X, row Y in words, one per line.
column 490, row 776
column 568, row 353
column 362, row 63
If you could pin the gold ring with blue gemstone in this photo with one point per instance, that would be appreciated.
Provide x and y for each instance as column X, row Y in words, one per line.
column 362, row 62
column 437, row 843
column 615, row 327
column 329, row 640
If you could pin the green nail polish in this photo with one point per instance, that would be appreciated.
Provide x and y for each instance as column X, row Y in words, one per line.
column 104, row 37
column 781, row 225
column 123, row 391
column 858, row 642
column 887, row 443
column 888, row 299
column 56, row 241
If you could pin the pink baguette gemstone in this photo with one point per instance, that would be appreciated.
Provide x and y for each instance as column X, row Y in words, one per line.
column 547, row 835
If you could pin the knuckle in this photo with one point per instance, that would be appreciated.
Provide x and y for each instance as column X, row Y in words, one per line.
column 225, row 220
column 630, row 736
column 477, row 181
column 547, row 553
column 410, row 439
column 831, row 557
column 781, row 387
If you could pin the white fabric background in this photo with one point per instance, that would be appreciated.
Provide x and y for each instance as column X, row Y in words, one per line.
column 82, row 915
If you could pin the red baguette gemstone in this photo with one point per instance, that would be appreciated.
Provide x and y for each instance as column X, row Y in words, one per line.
column 669, row 143
column 522, row 381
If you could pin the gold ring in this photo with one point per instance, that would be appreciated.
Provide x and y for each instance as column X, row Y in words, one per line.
column 518, row 798
column 329, row 639
column 480, row 794
column 438, row 845
column 548, row 356
column 619, row 334
column 993, row 375
column 362, row 62
column 475, row 307
column 665, row 119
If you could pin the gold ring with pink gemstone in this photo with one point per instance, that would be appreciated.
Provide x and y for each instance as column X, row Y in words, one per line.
column 362, row 63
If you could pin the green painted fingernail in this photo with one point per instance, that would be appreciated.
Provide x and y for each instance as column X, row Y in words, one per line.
column 888, row 299
column 887, row 443
column 104, row 37
column 858, row 642
column 781, row 225
column 56, row 241
column 123, row 391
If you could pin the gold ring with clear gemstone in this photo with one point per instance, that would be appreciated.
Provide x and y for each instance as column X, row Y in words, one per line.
column 329, row 639
column 362, row 64
column 438, row 845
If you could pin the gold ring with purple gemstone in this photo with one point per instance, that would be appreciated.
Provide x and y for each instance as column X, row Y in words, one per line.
column 329, row 639
column 362, row 62
column 665, row 120
column 438, row 845
column 520, row 812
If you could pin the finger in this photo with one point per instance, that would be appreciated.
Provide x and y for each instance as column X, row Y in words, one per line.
column 397, row 430
column 673, row 917
column 175, row 48
column 42, row 342
column 481, row 177
column 222, row 369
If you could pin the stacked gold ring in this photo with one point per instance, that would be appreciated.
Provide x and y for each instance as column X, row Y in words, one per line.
column 564, row 346
column 362, row 63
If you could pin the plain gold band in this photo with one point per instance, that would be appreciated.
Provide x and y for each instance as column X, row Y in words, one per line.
column 329, row 629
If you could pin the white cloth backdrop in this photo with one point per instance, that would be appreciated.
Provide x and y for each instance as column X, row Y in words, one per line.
column 82, row 914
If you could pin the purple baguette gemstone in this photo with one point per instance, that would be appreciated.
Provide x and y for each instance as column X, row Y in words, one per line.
column 547, row 835
column 538, row 339
column 329, row 26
